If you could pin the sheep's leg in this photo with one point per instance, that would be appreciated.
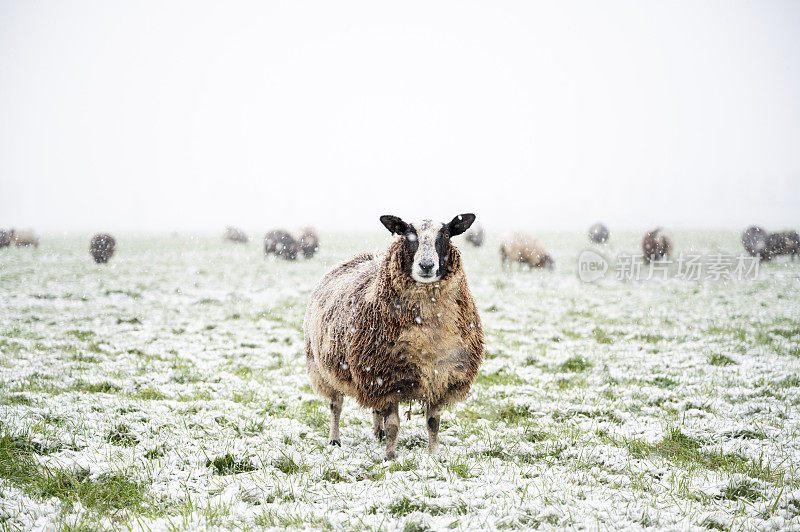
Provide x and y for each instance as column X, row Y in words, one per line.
column 336, row 413
column 377, row 424
column 433, row 413
column 392, row 427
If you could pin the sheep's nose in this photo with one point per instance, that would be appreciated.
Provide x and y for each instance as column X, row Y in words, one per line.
column 426, row 266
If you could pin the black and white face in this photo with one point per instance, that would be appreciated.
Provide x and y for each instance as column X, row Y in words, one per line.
column 426, row 245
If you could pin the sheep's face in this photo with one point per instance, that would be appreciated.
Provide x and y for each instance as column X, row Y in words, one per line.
column 426, row 245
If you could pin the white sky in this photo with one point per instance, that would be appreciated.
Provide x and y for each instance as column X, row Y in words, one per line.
column 192, row 115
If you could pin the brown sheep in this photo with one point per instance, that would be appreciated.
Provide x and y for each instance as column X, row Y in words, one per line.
column 397, row 327
column 101, row 247
column 523, row 248
column 782, row 243
column 232, row 234
column 657, row 244
column 24, row 237
column 280, row 243
column 307, row 241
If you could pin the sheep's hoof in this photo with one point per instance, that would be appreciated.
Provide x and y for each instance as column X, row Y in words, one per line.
column 390, row 455
column 336, row 442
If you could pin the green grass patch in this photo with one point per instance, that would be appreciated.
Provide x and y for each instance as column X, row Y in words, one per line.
column 122, row 435
column 229, row 465
column 601, row 337
column 575, row 364
column 94, row 387
column 688, row 451
column 718, row 359
column 499, row 378
column 107, row 494
column 286, row 465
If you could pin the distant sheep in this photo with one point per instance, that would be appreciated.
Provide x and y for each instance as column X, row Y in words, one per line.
column 598, row 233
column 657, row 244
column 232, row 234
column 476, row 235
column 280, row 243
column 782, row 243
column 397, row 327
column 5, row 238
column 307, row 241
column 754, row 240
column 24, row 237
column 523, row 248
column 102, row 247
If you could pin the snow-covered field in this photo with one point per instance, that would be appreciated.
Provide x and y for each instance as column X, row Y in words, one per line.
column 168, row 389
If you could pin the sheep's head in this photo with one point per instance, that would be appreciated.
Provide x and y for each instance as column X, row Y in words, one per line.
column 426, row 245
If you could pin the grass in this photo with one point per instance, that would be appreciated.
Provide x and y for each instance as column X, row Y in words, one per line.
column 109, row 493
column 501, row 377
column 180, row 373
column 575, row 364
column 718, row 359
column 230, row 465
column 685, row 450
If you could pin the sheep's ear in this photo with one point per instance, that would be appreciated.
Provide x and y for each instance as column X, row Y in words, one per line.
column 460, row 223
column 394, row 224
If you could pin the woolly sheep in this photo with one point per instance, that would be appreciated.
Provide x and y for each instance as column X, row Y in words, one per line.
column 397, row 327
column 307, row 241
column 523, row 248
column 782, row 243
column 754, row 240
column 24, row 237
column 598, row 233
column 280, row 243
column 233, row 234
column 657, row 244
column 101, row 247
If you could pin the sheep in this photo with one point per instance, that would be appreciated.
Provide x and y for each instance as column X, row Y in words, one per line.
column 476, row 235
column 397, row 327
column 657, row 244
column 280, row 243
column 5, row 238
column 307, row 241
column 598, row 233
column 24, row 237
column 782, row 243
column 232, row 234
column 523, row 248
column 754, row 240
column 101, row 247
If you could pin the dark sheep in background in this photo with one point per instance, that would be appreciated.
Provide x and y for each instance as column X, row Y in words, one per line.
column 657, row 244
column 5, row 238
column 280, row 243
column 24, row 237
column 782, row 243
column 476, row 235
column 232, row 234
column 599, row 233
column 754, row 240
column 102, row 247
column 307, row 241
column 523, row 248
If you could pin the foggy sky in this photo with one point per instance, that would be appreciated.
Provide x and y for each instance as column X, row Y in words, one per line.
column 193, row 115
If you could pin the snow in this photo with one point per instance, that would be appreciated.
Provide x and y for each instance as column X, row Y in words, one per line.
column 197, row 348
